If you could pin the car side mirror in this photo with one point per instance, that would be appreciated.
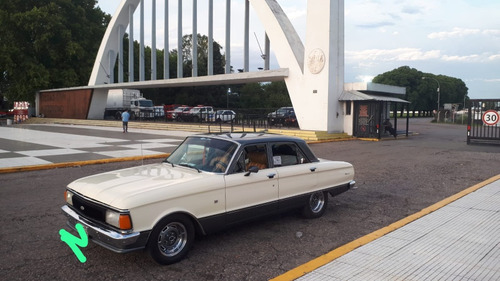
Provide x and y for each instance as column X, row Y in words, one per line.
column 252, row 169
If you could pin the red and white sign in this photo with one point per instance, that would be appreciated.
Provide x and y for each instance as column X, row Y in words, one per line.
column 491, row 117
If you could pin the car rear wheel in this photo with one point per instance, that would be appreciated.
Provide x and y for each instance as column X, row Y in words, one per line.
column 171, row 239
column 316, row 205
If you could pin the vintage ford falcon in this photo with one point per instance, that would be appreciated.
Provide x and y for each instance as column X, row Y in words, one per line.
column 208, row 183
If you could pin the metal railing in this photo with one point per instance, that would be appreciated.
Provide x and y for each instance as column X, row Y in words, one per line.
column 483, row 124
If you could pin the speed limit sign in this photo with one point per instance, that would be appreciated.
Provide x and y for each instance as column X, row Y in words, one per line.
column 491, row 117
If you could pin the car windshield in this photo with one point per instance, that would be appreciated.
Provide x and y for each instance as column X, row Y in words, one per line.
column 203, row 154
column 282, row 111
column 146, row 103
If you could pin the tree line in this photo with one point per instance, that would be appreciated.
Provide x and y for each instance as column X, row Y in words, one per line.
column 50, row 44
column 422, row 93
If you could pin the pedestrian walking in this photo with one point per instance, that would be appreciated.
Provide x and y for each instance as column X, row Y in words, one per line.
column 125, row 118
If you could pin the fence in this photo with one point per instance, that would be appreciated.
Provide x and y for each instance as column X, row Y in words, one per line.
column 483, row 124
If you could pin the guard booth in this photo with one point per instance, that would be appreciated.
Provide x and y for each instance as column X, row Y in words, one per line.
column 483, row 125
column 368, row 105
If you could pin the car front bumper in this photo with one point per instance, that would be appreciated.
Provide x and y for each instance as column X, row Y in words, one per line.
column 109, row 239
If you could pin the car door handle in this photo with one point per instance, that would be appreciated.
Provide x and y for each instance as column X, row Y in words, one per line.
column 312, row 169
column 271, row 175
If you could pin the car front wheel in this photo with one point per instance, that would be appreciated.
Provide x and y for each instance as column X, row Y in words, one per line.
column 316, row 205
column 171, row 239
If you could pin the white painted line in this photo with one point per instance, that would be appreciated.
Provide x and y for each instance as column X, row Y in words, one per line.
column 127, row 153
column 50, row 152
column 22, row 161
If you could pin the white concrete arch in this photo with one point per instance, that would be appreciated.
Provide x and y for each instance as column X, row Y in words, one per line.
column 102, row 73
column 315, row 69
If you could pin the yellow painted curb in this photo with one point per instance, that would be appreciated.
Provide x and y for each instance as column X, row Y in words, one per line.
column 79, row 163
column 368, row 139
column 331, row 140
column 328, row 257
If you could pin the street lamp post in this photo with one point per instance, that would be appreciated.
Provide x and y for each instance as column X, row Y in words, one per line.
column 439, row 86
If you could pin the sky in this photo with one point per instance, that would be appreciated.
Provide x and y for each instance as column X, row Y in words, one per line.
column 456, row 38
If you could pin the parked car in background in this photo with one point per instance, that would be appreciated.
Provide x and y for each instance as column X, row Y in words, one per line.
column 279, row 116
column 291, row 120
column 175, row 113
column 224, row 115
column 209, row 183
column 198, row 113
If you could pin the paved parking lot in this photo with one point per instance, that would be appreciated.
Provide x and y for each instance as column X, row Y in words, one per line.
column 396, row 180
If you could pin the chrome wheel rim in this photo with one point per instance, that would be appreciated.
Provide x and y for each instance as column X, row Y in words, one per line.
column 172, row 239
column 316, row 202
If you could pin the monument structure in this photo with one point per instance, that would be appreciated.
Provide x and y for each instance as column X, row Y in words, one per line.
column 315, row 67
column 313, row 70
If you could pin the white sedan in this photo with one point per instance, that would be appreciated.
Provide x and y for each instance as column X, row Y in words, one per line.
column 224, row 116
column 210, row 182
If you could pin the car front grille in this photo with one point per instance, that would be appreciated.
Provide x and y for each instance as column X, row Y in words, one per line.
column 89, row 209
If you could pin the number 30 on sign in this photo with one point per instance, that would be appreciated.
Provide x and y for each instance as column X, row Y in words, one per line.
column 491, row 117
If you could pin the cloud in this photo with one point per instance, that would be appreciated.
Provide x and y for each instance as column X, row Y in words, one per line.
column 400, row 54
column 494, row 32
column 375, row 24
column 412, row 10
column 480, row 58
column 496, row 80
column 468, row 58
column 365, row 78
column 414, row 54
column 456, row 32
column 494, row 57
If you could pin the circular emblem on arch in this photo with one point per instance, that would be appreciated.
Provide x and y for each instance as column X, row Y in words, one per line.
column 316, row 61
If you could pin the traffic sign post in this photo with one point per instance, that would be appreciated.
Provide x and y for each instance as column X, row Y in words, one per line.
column 491, row 117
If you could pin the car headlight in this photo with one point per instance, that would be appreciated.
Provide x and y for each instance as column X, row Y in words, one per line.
column 119, row 220
column 68, row 197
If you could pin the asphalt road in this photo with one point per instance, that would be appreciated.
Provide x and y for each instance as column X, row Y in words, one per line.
column 395, row 178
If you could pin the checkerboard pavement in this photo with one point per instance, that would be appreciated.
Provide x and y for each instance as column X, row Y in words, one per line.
column 27, row 145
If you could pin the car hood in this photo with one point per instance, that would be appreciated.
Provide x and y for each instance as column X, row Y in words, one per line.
column 122, row 188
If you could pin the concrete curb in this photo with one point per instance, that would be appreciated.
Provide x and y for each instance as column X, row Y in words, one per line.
column 79, row 163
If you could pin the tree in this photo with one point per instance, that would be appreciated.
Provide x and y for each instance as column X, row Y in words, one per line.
column 422, row 93
column 47, row 44
column 213, row 95
column 277, row 94
column 187, row 46
column 252, row 96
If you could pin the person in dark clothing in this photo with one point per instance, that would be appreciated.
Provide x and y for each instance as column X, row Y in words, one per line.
column 388, row 127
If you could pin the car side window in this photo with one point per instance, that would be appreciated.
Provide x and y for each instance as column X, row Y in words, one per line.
column 252, row 155
column 286, row 154
column 256, row 155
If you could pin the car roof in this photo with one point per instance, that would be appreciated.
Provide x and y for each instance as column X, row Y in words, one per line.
column 245, row 138
column 255, row 138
